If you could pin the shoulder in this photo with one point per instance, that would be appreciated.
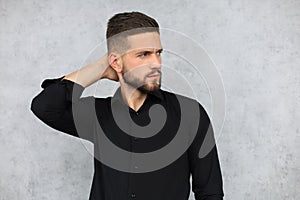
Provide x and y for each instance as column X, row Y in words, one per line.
column 171, row 96
column 182, row 100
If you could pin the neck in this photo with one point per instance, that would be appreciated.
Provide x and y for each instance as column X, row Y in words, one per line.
column 133, row 97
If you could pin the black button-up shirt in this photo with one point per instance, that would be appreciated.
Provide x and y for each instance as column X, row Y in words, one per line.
column 61, row 106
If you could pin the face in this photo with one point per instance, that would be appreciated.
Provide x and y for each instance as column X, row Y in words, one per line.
column 141, row 64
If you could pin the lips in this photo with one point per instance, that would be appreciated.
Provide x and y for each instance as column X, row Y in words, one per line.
column 154, row 75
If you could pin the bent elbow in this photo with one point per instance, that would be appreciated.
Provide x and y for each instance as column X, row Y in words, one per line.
column 37, row 107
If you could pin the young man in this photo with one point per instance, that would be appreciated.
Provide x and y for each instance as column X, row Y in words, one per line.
column 134, row 59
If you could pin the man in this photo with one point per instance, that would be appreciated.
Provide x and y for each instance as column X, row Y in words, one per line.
column 133, row 59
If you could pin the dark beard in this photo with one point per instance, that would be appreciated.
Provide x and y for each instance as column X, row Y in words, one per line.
column 136, row 83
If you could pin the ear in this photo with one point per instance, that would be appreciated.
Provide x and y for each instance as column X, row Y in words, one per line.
column 115, row 61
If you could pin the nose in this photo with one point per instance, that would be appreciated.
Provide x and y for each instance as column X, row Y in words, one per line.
column 156, row 61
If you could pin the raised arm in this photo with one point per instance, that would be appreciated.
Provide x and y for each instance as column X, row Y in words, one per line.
column 59, row 104
column 92, row 72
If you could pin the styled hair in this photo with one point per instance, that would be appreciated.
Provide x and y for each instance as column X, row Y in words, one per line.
column 124, row 24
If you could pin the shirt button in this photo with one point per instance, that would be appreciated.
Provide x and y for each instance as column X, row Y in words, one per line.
column 135, row 138
column 132, row 195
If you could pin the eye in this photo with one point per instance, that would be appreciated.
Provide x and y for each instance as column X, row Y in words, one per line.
column 159, row 52
column 143, row 54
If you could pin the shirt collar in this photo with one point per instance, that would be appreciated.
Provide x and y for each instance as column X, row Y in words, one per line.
column 117, row 97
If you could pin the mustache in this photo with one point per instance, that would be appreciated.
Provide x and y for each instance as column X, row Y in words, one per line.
column 154, row 72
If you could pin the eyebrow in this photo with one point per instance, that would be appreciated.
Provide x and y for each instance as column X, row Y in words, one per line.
column 147, row 51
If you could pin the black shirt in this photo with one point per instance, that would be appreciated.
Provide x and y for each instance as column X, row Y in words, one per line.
column 61, row 106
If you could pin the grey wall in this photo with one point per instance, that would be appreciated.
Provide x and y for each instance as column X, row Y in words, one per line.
column 255, row 45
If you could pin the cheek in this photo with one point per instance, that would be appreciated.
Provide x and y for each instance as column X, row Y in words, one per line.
column 136, row 68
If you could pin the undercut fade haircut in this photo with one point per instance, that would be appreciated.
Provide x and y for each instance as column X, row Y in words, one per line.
column 125, row 24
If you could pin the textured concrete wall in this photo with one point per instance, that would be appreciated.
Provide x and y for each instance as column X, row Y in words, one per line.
column 255, row 45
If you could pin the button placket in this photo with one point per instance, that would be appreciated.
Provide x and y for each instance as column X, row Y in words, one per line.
column 133, row 195
column 131, row 191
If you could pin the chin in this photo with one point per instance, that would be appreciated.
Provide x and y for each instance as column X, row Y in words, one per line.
column 149, row 88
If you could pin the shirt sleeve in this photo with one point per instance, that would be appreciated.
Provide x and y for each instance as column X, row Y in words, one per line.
column 59, row 106
column 207, row 181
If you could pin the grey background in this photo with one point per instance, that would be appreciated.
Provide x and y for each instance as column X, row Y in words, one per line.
column 255, row 45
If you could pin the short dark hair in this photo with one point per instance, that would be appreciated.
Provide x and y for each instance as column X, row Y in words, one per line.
column 128, row 20
column 130, row 23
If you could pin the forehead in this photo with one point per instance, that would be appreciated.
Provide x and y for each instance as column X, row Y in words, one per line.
column 143, row 41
